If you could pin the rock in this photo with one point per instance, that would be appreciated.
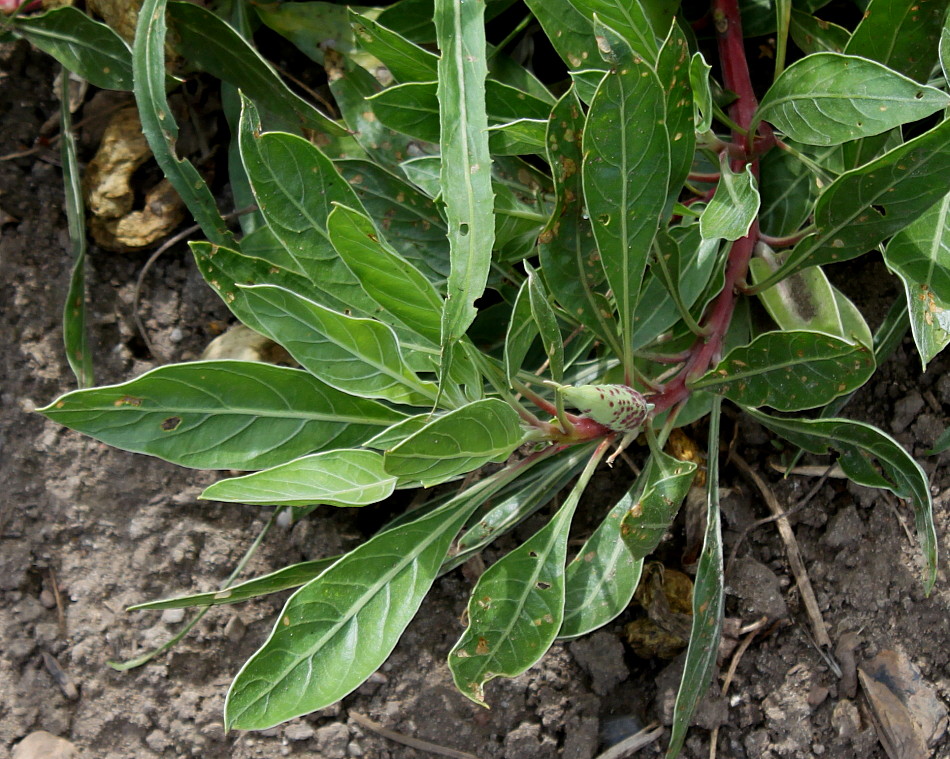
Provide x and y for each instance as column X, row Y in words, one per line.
column 299, row 731
column 173, row 616
column 332, row 741
column 845, row 719
column 354, row 749
column 788, row 713
column 234, row 629
column 906, row 411
column 844, row 529
column 158, row 741
column 526, row 742
column 759, row 588
column 601, row 656
column 44, row 745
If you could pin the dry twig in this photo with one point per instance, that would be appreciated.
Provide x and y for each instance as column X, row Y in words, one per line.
column 632, row 744
column 407, row 740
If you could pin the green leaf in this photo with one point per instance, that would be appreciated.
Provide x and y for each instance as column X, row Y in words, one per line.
column 702, row 94
column 628, row 20
column 872, row 458
column 813, row 35
column 920, row 256
column 522, row 330
column 213, row 46
column 666, row 481
column 85, row 47
column 733, row 208
column 544, row 317
column 804, row 300
column 521, row 137
column 75, row 337
column 424, row 172
column 626, row 176
column 673, row 70
column 296, row 185
column 942, row 444
column 311, row 659
column 865, row 206
column 158, row 122
column 457, row 442
column 409, row 219
column 355, row 355
column 406, row 61
column 568, row 252
column 517, row 606
column 466, row 163
column 343, row 477
column 572, row 35
column 400, row 289
column 289, row 577
column 830, row 98
column 222, row 415
column 788, row 190
column 901, row 35
column 790, row 371
column 708, row 603
column 311, row 26
column 945, row 52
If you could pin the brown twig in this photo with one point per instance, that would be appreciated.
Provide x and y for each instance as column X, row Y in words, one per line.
column 793, row 553
column 407, row 740
column 58, row 597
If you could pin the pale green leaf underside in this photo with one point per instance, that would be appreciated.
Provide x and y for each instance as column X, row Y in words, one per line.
column 222, row 415
column 733, row 208
column 830, row 98
column 344, row 477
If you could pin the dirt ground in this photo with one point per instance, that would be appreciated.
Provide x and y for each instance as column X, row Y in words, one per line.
column 101, row 529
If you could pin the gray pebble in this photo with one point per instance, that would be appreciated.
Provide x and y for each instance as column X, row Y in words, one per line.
column 173, row 616
column 906, row 411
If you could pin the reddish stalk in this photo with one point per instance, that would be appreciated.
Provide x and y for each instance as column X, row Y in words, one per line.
column 708, row 349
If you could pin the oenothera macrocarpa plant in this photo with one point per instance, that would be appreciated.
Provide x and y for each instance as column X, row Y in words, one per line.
column 619, row 222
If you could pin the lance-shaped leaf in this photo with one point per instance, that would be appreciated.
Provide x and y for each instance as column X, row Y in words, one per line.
column 602, row 578
column 222, row 415
column 920, row 255
column 733, row 208
column 409, row 218
column 830, row 98
column 814, row 35
column 355, row 355
column 214, row 46
column 872, row 458
column 865, row 206
column 466, row 163
column 88, row 48
column 344, row 477
column 626, row 174
column 569, row 256
column 702, row 92
column 289, row 577
column 296, row 185
column 901, row 35
column 628, row 20
column 297, row 22
column 400, row 289
column 522, row 329
column 708, row 603
column 544, row 317
column 158, row 122
column 457, row 442
column 338, row 629
column 790, row 371
column 571, row 34
column 788, row 190
column 666, row 481
column 673, row 71
column 517, row 605
column 405, row 60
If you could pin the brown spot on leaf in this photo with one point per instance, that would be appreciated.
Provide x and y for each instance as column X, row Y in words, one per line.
column 171, row 423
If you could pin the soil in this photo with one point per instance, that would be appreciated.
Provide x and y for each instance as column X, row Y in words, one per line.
column 86, row 530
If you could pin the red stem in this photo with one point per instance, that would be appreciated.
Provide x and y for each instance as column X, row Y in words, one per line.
column 708, row 349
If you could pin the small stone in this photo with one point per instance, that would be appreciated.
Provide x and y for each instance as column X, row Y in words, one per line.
column 846, row 719
column 759, row 588
column 332, row 741
column 158, row 741
column 173, row 616
column 354, row 749
column 844, row 529
column 601, row 655
column 234, row 630
column 906, row 410
column 44, row 745
column 299, row 731
column 47, row 598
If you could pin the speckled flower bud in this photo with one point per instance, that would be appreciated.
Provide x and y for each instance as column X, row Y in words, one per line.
column 618, row 407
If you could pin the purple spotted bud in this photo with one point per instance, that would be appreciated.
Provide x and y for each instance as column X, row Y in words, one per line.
column 618, row 407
